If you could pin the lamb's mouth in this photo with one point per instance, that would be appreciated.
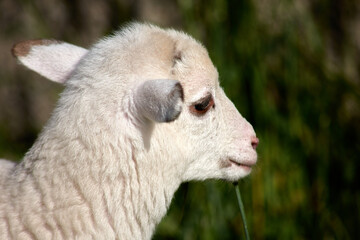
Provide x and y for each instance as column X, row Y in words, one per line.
column 244, row 165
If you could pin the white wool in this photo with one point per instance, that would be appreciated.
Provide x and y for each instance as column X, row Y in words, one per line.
column 126, row 132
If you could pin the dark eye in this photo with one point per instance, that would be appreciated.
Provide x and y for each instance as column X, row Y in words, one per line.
column 201, row 107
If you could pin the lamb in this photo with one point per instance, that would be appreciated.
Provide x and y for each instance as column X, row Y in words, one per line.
column 142, row 111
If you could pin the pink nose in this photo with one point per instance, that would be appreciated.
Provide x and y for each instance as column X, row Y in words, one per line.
column 254, row 142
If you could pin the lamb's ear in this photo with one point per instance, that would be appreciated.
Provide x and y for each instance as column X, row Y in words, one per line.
column 159, row 100
column 52, row 59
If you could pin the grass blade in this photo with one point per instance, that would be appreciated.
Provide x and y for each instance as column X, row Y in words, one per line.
column 242, row 211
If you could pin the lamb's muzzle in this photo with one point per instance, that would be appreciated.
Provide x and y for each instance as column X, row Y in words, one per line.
column 254, row 142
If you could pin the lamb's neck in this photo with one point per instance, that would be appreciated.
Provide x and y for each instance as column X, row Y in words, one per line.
column 146, row 194
column 121, row 188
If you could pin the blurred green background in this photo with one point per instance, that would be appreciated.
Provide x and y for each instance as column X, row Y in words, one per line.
column 292, row 68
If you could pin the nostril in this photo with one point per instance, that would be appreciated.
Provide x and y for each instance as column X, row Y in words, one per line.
column 254, row 142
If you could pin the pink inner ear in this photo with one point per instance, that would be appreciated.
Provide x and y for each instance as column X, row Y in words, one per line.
column 52, row 59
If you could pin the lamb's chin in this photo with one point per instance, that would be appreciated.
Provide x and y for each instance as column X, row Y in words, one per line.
column 234, row 170
column 234, row 174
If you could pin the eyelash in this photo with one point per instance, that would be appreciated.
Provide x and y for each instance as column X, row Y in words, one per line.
column 203, row 106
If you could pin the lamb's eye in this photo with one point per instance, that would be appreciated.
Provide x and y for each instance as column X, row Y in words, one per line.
column 201, row 107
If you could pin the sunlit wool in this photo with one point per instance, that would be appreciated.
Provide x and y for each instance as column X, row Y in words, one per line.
column 126, row 132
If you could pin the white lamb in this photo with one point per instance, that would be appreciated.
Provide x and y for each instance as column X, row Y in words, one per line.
column 142, row 112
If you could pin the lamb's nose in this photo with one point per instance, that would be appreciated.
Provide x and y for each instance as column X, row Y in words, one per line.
column 254, row 142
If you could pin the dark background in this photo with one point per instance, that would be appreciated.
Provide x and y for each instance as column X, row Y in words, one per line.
column 291, row 67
